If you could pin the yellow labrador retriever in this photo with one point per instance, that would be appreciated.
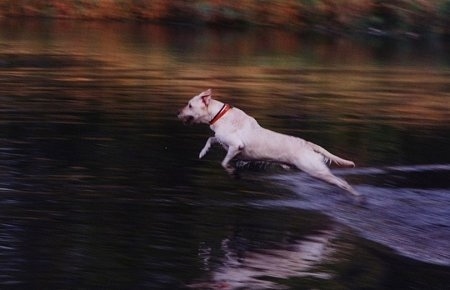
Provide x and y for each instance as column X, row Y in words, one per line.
column 242, row 137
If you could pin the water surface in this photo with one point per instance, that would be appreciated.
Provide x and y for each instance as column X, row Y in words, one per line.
column 100, row 185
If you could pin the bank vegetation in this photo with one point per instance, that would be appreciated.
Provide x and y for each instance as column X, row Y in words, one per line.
column 380, row 17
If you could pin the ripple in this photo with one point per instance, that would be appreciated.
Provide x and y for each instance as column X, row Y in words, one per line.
column 413, row 221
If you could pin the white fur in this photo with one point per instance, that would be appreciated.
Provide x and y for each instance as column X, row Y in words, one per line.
column 240, row 134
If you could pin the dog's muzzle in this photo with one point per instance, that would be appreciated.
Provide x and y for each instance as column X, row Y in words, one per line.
column 186, row 119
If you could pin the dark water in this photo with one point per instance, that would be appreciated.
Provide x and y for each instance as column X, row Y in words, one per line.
column 100, row 186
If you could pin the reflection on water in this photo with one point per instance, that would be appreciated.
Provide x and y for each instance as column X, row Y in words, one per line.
column 100, row 185
column 296, row 259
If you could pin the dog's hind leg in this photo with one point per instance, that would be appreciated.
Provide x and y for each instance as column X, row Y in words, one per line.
column 327, row 176
column 316, row 168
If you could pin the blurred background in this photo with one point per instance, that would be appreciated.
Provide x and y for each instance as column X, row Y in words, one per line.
column 101, row 186
column 374, row 16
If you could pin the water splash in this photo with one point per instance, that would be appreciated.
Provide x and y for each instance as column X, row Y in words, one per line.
column 412, row 221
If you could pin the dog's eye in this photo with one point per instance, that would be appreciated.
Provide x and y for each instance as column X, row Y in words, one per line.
column 190, row 106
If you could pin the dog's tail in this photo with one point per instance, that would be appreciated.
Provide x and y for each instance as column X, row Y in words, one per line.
column 330, row 157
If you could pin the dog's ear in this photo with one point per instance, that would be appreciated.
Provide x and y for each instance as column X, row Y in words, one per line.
column 206, row 97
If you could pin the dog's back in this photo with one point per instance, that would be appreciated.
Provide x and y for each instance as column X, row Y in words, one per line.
column 241, row 135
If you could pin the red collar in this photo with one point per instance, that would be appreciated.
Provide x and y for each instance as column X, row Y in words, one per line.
column 225, row 108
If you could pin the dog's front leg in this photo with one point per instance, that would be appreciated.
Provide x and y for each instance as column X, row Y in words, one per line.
column 231, row 153
column 209, row 142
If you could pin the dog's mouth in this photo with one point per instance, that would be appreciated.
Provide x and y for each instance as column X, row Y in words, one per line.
column 187, row 120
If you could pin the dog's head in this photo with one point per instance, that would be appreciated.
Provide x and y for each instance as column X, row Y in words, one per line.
column 196, row 111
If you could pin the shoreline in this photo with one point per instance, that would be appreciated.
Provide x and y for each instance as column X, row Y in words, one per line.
column 382, row 18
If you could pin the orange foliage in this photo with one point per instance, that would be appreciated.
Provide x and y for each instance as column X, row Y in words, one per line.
column 292, row 14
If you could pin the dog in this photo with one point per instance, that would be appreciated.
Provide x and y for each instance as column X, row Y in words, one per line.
column 243, row 138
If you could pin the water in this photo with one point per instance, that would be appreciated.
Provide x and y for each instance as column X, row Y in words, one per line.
column 100, row 186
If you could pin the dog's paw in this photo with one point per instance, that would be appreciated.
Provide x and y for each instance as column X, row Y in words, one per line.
column 229, row 169
column 361, row 201
column 202, row 154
